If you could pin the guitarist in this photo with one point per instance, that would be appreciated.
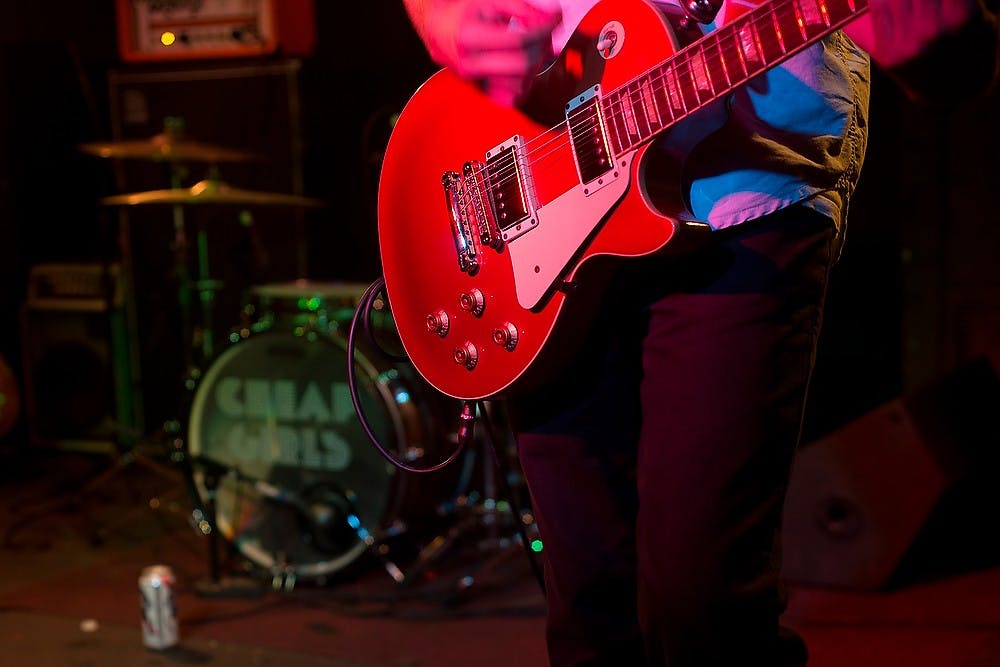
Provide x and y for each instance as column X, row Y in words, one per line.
column 658, row 461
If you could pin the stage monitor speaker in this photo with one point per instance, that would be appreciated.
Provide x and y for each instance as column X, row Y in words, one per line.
column 77, row 375
column 906, row 492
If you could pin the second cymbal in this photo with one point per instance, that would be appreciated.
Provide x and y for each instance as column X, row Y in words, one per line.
column 211, row 192
column 165, row 147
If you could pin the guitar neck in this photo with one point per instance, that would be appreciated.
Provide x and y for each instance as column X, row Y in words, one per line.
column 717, row 64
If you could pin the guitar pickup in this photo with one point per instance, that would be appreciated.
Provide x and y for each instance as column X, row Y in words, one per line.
column 589, row 138
column 509, row 189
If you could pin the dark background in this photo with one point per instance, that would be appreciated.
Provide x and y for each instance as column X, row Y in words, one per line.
column 915, row 295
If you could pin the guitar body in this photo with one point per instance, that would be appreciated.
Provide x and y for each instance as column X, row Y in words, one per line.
column 493, row 222
column 534, row 285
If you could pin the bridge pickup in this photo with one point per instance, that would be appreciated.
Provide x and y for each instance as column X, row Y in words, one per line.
column 510, row 189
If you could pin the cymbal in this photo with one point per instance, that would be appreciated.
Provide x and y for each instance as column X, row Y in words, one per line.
column 210, row 192
column 165, row 147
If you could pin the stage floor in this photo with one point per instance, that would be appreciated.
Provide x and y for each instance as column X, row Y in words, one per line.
column 69, row 564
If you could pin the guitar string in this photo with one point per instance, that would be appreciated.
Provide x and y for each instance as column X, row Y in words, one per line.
column 687, row 67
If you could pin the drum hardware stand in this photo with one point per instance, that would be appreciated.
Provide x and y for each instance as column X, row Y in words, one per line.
column 485, row 510
column 283, row 577
column 204, row 521
column 202, row 337
column 464, row 435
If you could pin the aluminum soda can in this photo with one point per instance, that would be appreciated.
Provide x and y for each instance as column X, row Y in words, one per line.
column 159, row 615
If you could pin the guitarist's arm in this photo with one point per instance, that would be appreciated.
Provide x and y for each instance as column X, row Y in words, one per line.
column 501, row 44
column 939, row 51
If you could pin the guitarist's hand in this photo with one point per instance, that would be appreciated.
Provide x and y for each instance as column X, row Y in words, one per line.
column 500, row 44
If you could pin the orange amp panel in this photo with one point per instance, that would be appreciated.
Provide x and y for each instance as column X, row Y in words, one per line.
column 165, row 30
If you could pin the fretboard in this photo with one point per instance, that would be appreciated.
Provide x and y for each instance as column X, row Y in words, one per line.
column 717, row 64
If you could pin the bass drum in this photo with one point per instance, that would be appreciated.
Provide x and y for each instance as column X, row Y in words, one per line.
column 298, row 484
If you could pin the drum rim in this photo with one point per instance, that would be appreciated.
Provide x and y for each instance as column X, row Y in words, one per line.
column 308, row 288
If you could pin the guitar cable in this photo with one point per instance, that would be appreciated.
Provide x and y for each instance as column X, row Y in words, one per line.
column 363, row 314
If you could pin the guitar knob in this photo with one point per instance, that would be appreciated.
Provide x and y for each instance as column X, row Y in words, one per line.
column 438, row 323
column 467, row 355
column 505, row 336
column 473, row 302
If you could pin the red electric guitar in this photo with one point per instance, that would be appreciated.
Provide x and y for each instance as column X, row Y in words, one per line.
column 490, row 219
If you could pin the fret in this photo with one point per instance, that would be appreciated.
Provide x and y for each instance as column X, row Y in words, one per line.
column 811, row 14
column 738, row 43
column 703, row 67
column 628, row 121
column 714, row 62
column 722, row 59
column 661, row 93
column 750, row 47
column 648, row 85
column 631, row 118
column 791, row 31
column 643, row 128
column 825, row 13
column 800, row 20
column 758, row 42
column 691, row 77
column 767, row 41
column 777, row 31
column 677, row 97
column 615, row 120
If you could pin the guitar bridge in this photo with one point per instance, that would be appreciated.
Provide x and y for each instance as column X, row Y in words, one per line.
column 461, row 228
column 490, row 203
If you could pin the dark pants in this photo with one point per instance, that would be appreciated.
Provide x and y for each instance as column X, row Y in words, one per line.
column 658, row 461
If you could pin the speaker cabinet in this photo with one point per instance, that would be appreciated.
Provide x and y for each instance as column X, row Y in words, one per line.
column 903, row 493
column 77, row 377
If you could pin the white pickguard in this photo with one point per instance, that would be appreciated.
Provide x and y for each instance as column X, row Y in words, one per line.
column 541, row 257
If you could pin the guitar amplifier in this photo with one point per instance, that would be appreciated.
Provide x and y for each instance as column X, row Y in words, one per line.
column 79, row 392
column 165, row 30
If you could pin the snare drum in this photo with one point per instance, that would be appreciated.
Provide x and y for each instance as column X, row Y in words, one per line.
column 274, row 414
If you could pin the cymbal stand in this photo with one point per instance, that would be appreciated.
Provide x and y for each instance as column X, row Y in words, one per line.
column 216, row 585
column 202, row 337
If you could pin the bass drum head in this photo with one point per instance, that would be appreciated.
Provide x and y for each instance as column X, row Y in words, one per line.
column 274, row 429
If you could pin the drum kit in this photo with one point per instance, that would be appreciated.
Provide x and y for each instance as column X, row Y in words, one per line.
column 275, row 454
